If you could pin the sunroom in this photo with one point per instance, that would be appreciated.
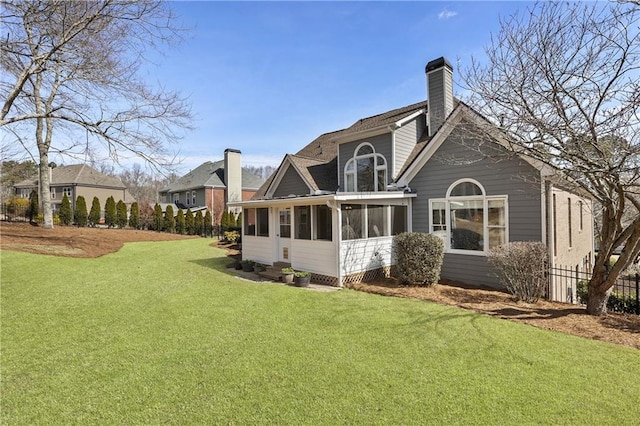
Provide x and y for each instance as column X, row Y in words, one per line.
column 339, row 238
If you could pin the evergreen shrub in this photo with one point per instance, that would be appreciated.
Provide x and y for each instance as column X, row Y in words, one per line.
column 64, row 214
column 94, row 214
column 418, row 258
column 80, row 216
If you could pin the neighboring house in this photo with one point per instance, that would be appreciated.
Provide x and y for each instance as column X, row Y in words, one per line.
column 212, row 186
column 78, row 180
column 436, row 167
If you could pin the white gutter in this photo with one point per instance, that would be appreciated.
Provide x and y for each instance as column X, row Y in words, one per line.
column 325, row 199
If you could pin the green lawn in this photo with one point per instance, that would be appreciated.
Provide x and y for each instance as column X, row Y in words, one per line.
column 160, row 333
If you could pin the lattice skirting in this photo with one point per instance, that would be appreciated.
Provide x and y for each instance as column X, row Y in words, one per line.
column 370, row 275
column 325, row 280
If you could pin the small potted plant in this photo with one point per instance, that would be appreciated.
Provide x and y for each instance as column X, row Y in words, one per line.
column 247, row 265
column 302, row 278
column 287, row 275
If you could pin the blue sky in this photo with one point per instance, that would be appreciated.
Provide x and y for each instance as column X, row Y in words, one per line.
column 269, row 77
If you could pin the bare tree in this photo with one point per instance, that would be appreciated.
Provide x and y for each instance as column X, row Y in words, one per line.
column 76, row 65
column 562, row 81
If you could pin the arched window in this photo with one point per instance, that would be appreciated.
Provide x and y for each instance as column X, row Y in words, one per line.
column 468, row 220
column 366, row 171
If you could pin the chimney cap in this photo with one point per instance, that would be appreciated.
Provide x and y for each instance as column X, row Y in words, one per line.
column 438, row 63
column 232, row 150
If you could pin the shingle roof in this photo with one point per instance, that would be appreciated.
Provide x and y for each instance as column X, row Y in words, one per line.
column 317, row 162
column 78, row 174
column 211, row 174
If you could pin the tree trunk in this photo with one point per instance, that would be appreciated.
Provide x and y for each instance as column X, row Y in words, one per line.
column 45, row 191
column 597, row 303
column 600, row 287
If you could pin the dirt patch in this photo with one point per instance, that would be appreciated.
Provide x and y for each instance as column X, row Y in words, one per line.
column 93, row 242
column 73, row 242
column 621, row 329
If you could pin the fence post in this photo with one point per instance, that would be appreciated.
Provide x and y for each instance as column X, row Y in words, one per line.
column 637, row 294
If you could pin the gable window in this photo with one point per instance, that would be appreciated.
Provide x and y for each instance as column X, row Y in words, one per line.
column 468, row 220
column 366, row 171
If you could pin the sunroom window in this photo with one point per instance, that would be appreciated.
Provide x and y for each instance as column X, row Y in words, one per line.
column 366, row 171
column 468, row 220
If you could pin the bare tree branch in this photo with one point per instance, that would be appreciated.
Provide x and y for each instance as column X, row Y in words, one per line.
column 562, row 81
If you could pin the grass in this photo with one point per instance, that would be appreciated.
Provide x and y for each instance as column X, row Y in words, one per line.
column 160, row 333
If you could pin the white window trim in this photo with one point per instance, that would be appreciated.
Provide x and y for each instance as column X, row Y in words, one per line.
column 354, row 160
column 193, row 198
column 53, row 193
column 485, row 217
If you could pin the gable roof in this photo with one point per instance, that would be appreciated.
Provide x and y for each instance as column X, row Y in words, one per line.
column 316, row 163
column 77, row 174
column 211, row 174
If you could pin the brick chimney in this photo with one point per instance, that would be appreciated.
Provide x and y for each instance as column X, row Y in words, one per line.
column 439, row 93
column 233, row 175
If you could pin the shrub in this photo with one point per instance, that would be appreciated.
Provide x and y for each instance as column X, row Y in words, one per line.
column 208, row 226
column 80, row 214
column 146, row 216
column 110, row 212
column 34, row 206
column 198, row 223
column 158, row 218
column 121, row 214
column 239, row 220
column 18, row 207
column 169, row 220
column 521, row 267
column 418, row 257
column 134, row 216
column 615, row 303
column 188, row 223
column 94, row 214
column 232, row 236
column 65, row 214
column 180, row 224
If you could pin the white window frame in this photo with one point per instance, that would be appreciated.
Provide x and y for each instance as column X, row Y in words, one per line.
column 176, row 197
column 193, row 198
column 53, row 192
column 485, row 217
column 351, row 176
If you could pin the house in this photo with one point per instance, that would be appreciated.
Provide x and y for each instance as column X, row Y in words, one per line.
column 213, row 185
column 78, row 180
column 434, row 166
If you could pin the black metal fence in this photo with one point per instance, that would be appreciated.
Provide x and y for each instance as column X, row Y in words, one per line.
column 569, row 285
column 14, row 212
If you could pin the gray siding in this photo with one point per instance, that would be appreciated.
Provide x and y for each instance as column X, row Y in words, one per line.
column 291, row 183
column 381, row 144
column 405, row 141
column 499, row 176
